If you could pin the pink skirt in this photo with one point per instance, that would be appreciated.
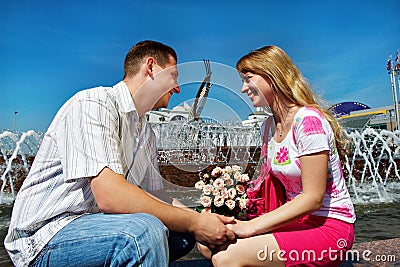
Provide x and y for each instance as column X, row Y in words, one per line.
column 314, row 241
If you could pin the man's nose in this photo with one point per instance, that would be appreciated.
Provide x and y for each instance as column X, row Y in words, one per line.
column 244, row 88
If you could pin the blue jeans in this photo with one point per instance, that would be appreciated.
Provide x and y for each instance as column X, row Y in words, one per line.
column 108, row 240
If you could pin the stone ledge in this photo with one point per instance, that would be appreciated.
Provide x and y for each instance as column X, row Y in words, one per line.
column 388, row 249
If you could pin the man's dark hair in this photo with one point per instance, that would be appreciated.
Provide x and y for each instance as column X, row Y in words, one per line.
column 144, row 49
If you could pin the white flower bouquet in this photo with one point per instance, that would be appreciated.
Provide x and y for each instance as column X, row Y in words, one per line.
column 224, row 191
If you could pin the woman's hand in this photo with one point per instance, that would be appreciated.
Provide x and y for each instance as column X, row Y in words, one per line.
column 241, row 229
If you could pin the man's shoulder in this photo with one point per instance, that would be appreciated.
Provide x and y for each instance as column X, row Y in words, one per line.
column 99, row 93
column 86, row 99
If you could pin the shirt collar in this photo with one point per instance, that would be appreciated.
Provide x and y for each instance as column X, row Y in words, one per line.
column 123, row 97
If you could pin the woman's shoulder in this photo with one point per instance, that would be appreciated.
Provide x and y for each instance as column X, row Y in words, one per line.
column 309, row 120
column 309, row 111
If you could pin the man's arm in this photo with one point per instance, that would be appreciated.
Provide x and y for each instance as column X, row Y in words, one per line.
column 114, row 194
column 163, row 196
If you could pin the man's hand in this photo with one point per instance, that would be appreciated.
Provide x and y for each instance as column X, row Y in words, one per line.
column 210, row 230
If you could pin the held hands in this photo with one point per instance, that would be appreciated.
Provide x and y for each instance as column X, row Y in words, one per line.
column 210, row 229
column 242, row 229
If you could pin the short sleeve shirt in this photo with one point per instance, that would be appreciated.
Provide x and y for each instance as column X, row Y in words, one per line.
column 96, row 128
column 311, row 133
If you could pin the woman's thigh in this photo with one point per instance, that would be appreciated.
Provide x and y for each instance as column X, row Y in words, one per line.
column 315, row 240
column 261, row 250
column 108, row 240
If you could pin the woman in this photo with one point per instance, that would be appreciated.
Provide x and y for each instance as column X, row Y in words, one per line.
column 315, row 227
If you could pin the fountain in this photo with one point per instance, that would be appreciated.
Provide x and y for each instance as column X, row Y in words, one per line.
column 371, row 167
column 187, row 149
column 17, row 151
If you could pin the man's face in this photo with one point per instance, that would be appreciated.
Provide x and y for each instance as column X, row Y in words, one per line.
column 167, row 78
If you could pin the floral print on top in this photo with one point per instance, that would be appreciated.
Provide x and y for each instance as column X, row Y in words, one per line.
column 311, row 133
column 282, row 156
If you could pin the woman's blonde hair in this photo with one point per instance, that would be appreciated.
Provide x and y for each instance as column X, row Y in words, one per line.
column 272, row 63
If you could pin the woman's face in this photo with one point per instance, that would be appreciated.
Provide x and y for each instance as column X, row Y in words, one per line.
column 257, row 88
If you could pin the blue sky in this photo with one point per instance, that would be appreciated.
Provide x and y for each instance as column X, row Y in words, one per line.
column 49, row 50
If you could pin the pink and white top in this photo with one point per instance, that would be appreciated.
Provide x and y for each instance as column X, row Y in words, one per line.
column 311, row 133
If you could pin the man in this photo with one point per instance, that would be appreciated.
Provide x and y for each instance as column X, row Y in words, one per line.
column 83, row 202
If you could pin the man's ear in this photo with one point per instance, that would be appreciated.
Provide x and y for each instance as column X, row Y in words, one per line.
column 149, row 66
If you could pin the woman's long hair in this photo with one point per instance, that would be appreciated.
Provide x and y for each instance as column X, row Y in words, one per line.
column 273, row 64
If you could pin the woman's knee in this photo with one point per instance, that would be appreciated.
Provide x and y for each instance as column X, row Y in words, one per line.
column 223, row 258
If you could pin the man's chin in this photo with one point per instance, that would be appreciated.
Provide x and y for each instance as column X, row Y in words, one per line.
column 160, row 106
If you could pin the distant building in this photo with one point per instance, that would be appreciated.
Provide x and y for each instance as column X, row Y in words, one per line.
column 356, row 115
column 178, row 113
column 257, row 117
column 351, row 115
column 345, row 108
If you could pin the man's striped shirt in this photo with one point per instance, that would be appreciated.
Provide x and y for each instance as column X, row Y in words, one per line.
column 94, row 129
